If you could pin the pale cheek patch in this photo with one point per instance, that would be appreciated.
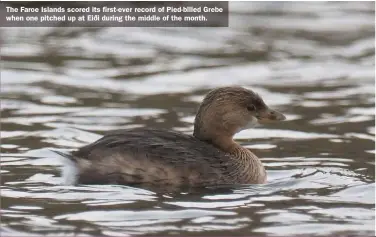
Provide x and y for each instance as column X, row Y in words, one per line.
column 251, row 124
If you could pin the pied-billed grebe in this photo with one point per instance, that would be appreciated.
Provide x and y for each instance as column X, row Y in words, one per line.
column 158, row 157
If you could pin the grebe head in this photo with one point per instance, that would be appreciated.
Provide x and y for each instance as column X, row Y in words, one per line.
column 228, row 110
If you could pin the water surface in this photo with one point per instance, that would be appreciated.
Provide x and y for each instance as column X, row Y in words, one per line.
column 63, row 88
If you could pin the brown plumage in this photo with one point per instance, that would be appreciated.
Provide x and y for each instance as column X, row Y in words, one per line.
column 145, row 156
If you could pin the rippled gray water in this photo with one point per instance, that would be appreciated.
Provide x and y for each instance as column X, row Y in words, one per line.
column 63, row 88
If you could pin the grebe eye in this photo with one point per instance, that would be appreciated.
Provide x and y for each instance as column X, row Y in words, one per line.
column 251, row 108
